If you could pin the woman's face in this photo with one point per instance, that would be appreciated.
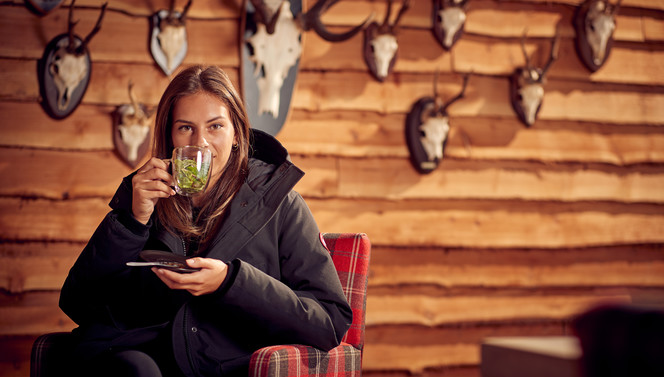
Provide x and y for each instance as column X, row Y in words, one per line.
column 202, row 119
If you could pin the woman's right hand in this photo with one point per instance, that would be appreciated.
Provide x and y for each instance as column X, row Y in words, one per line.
column 151, row 182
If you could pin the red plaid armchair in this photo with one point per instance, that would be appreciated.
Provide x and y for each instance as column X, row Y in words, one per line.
column 350, row 253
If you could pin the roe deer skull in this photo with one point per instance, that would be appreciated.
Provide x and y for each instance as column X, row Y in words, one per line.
column 70, row 62
column 526, row 85
column 449, row 18
column 380, row 43
column 594, row 22
column 277, row 44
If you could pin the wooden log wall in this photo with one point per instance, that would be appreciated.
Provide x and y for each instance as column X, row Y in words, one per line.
column 516, row 232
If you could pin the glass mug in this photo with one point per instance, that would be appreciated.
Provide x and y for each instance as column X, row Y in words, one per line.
column 191, row 166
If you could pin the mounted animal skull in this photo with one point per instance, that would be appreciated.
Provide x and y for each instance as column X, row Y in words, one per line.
column 66, row 66
column 132, row 127
column 449, row 18
column 594, row 22
column 427, row 128
column 380, row 43
column 526, row 85
column 168, row 40
column 277, row 44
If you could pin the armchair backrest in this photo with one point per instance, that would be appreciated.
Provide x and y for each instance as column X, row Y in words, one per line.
column 351, row 253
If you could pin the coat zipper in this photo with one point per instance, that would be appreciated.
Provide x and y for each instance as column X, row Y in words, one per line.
column 184, row 321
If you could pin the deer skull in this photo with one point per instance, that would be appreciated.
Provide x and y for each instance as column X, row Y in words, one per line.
column 133, row 127
column 380, row 43
column 427, row 129
column 168, row 41
column 434, row 130
column 65, row 67
column 594, row 22
column 526, row 85
column 277, row 45
column 274, row 55
column 449, row 17
column 68, row 71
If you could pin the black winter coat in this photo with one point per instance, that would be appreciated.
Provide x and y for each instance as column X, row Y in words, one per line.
column 281, row 288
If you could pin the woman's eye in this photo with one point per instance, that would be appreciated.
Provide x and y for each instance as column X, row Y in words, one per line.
column 184, row 128
column 216, row 126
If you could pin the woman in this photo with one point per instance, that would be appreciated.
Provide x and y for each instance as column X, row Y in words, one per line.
column 264, row 276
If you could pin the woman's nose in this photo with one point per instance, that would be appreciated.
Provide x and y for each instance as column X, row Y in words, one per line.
column 200, row 140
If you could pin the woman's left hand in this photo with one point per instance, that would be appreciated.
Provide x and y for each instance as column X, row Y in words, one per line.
column 207, row 280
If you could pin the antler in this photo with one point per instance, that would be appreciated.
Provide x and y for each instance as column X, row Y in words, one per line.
column 262, row 15
column 458, row 96
column 615, row 8
column 132, row 98
column 311, row 20
column 553, row 55
column 523, row 49
column 386, row 27
column 94, row 31
column 71, row 48
column 171, row 19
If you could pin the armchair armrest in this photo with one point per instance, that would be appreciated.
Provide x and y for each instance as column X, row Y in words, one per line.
column 299, row 360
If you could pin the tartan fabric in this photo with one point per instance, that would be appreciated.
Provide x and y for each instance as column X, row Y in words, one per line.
column 298, row 360
column 350, row 253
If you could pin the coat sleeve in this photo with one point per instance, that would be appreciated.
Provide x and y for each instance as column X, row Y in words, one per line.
column 306, row 305
column 100, row 278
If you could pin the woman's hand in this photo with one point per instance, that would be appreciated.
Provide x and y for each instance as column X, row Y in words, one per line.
column 151, row 182
column 207, row 280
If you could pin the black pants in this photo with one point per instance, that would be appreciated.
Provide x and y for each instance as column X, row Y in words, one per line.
column 153, row 359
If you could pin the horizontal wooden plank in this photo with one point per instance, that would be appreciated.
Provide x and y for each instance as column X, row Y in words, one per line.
column 437, row 311
column 404, row 223
column 356, row 134
column 28, row 266
column 15, row 355
column 107, row 87
column 471, row 224
column 502, row 19
column 61, row 174
column 396, row 179
column 122, row 38
column 50, row 220
column 200, row 9
column 372, row 135
column 87, row 128
column 33, row 313
column 581, row 274
column 416, row 358
column 37, row 312
column 488, row 56
column 454, row 268
column 485, row 96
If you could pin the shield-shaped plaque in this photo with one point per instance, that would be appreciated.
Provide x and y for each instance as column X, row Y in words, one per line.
column 414, row 136
column 168, row 43
column 131, row 136
column 256, row 93
column 42, row 7
column 63, row 77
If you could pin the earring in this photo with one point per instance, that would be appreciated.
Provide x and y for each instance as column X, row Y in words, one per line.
column 235, row 147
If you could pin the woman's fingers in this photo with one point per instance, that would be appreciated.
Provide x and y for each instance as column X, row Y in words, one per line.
column 207, row 280
column 150, row 183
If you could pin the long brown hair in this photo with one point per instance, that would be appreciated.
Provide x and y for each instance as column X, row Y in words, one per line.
column 176, row 212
